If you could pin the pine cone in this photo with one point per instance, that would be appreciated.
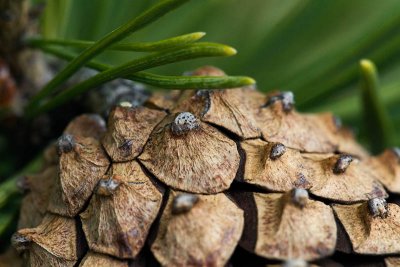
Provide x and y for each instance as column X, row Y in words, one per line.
column 212, row 178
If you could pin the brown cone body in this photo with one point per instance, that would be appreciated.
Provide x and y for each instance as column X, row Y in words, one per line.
column 211, row 178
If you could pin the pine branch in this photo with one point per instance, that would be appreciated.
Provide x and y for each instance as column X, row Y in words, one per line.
column 164, row 81
column 187, row 52
column 136, row 47
column 147, row 17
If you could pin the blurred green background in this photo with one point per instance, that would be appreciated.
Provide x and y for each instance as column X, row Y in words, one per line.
column 310, row 47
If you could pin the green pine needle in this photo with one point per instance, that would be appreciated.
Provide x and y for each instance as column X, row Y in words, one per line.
column 137, row 46
column 167, row 82
column 187, row 52
column 192, row 82
column 152, row 14
column 377, row 121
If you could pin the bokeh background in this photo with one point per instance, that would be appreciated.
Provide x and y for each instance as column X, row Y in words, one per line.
column 311, row 47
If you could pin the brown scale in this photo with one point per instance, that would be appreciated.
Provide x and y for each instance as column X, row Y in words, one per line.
column 373, row 227
column 95, row 259
column 273, row 166
column 128, row 131
column 392, row 261
column 387, row 168
column 206, row 234
column 280, row 122
column 121, row 211
column 57, row 241
column 161, row 100
column 195, row 158
column 231, row 109
column 342, row 178
column 87, row 125
column 82, row 162
column 349, row 145
column 35, row 202
column 37, row 189
column 287, row 226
